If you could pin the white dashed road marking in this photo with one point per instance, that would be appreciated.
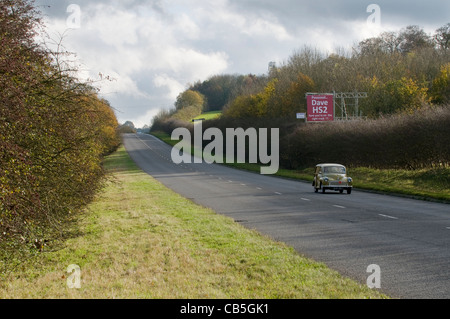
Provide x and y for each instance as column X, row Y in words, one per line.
column 387, row 216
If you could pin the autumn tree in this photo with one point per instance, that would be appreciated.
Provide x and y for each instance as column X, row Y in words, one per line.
column 286, row 101
column 394, row 96
column 441, row 86
column 253, row 105
column 190, row 98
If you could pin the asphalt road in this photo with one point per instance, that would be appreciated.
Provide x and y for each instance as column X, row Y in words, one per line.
column 408, row 239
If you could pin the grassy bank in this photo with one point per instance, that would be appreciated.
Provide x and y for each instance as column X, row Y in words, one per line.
column 141, row 240
column 209, row 115
column 428, row 184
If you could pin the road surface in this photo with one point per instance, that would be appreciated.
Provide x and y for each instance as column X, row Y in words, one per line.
column 408, row 239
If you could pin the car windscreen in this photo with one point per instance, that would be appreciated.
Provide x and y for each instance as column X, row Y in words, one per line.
column 334, row 169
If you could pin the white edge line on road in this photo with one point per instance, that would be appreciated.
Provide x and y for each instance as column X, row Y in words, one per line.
column 305, row 199
column 338, row 206
column 387, row 216
column 278, row 193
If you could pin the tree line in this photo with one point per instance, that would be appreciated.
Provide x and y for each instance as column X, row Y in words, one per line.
column 54, row 132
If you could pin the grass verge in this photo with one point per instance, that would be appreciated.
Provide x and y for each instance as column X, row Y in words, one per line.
column 426, row 184
column 209, row 115
column 141, row 240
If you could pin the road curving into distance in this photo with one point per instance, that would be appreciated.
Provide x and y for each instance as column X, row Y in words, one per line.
column 408, row 239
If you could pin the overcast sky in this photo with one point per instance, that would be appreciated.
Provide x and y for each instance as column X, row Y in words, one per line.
column 153, row 49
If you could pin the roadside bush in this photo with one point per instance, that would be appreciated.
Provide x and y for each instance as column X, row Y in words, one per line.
column 54, row 131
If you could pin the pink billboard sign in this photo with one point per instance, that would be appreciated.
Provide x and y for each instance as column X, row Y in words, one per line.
column 320, row 107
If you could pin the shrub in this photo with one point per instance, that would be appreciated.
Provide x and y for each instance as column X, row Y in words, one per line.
column 54, row 132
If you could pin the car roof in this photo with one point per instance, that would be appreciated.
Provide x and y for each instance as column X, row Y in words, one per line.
column 329, row 164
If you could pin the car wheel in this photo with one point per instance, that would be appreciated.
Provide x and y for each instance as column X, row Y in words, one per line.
column 349, row 191
column 314, row 185
column 341, row 191
column 323, row 189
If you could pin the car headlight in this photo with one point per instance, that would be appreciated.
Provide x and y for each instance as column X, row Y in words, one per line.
column 325, row 179
column 350, row 180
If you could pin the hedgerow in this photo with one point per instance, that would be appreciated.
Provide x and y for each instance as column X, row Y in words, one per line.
column 54, row 131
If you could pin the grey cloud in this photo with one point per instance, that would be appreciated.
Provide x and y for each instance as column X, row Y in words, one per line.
column 297, row 15
column 58, row 8
column 293, row 13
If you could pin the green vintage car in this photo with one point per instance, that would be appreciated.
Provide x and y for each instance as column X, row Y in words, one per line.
column 333, row 177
